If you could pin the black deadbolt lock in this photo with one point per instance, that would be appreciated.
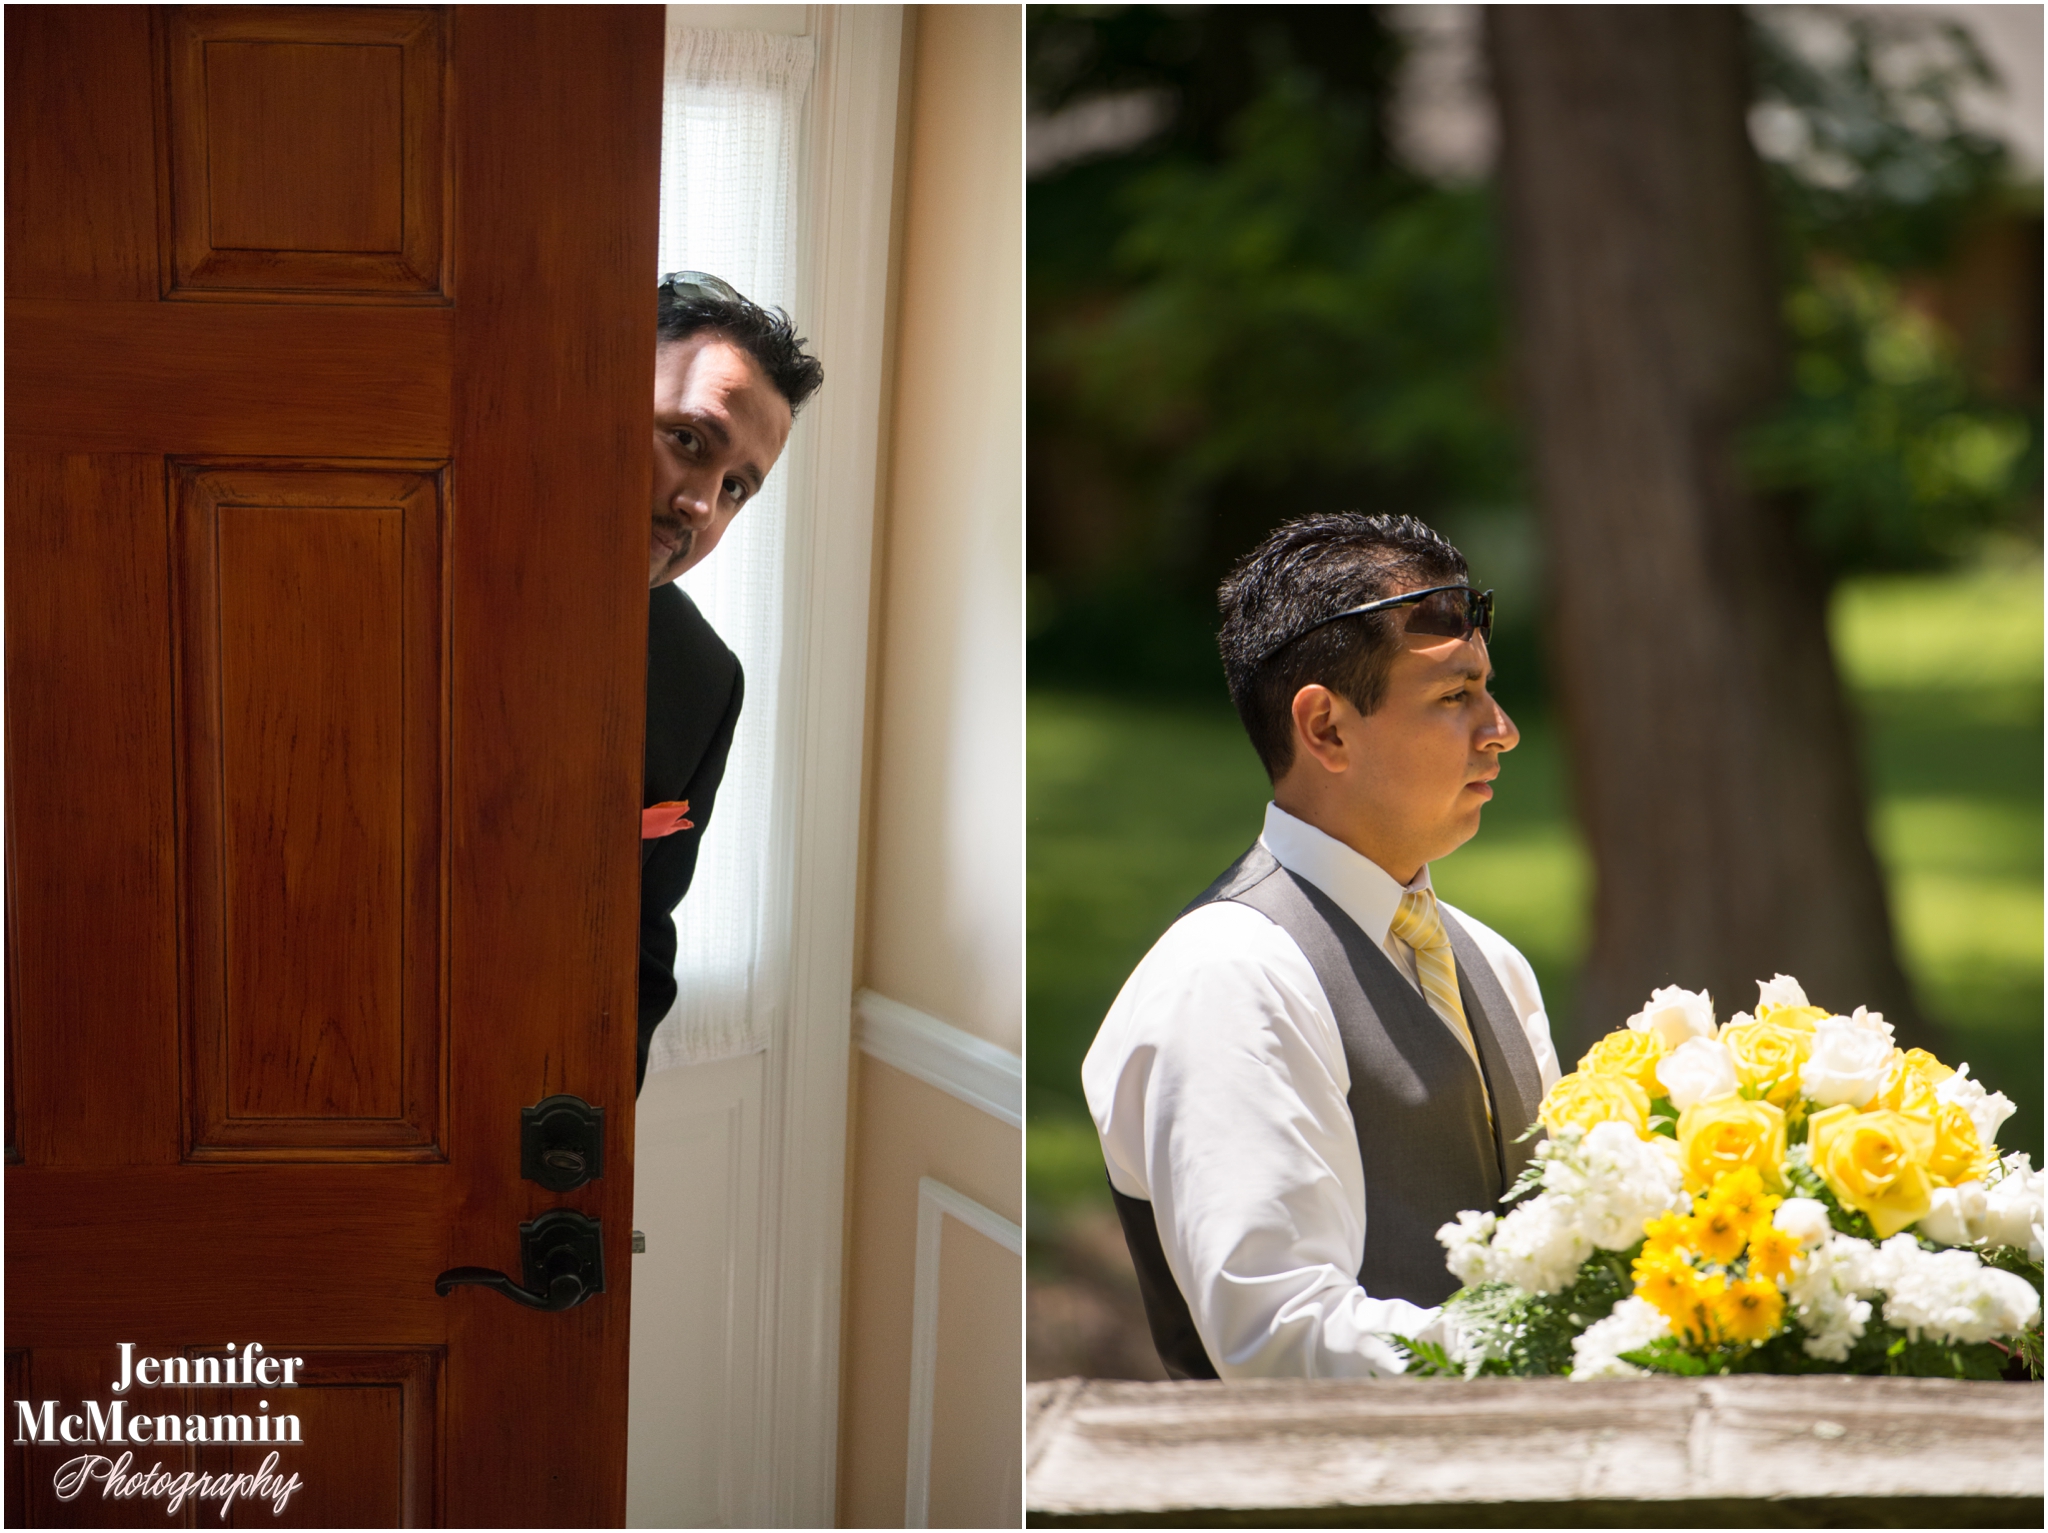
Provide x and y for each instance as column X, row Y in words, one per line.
column 561, row 1142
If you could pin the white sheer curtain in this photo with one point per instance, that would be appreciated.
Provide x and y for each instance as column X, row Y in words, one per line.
column 732, row 121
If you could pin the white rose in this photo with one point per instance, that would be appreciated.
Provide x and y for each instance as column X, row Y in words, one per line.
column 1804, row 1219
column 2012, row 1207
column 1956, row 1217
column 1988, row 1110
column 1675, row 1015
column 1698, row 1070
column 1847, row 1063
column 1780, row 990
column 1873, row 1020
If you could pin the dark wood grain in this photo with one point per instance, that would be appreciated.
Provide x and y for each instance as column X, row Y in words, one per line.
column 553, row 349
column 17, row 1453
column 170, row 461
column 303, row 145
column 312, row 712
column 213, row 378
column 71, row 1375
column 369, row 1420
column 305, row 152
column 336, row 1254
column 80, row 146
column 89, row 811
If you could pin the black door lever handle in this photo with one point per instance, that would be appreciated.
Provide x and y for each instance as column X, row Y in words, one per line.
column 565, row 1292
column 563, row 1254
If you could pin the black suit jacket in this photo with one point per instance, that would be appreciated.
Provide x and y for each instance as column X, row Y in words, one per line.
column 694, row 687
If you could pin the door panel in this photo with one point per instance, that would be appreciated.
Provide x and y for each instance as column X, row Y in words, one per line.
column 312, row 715
column 369, row 1430
column 89, row 715
column 305, row 151
column 324, row 687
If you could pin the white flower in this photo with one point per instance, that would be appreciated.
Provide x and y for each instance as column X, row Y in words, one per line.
column 1675, row 1015
column 1988, row 1110
column 1824, row 1293
column 1956, row 1217
column 1613, row 1183
column 1538, row 1247
column 1698, row 1070
column 1872, row 1020
column 1780, row 990
column 2005, row 1211
column 1464, row 1245
column 2012, row 1206
column 1950, row 1295
column 1804, row 1219
column 1596, row 1351
column 1600, row 1187
column 1847, row 1063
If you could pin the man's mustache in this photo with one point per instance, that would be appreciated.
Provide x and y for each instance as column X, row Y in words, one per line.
column 681, row 534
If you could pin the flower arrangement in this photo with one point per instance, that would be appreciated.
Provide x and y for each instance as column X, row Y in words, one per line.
column 1786, row 1192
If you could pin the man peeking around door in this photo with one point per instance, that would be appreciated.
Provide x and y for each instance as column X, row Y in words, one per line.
column 729, row 377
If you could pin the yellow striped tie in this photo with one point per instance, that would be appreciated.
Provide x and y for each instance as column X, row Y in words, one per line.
column 1418, row 924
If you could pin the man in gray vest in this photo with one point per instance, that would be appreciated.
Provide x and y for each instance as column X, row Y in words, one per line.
column 1319, row 1064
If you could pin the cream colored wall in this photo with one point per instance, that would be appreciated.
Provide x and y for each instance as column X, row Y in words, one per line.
column 942, row 916
column 946, row 855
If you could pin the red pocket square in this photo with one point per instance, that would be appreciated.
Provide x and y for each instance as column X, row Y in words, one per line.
column 665, row 819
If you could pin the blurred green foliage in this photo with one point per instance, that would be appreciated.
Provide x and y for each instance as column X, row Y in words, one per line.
column 1259, row 310
column 1893, row 458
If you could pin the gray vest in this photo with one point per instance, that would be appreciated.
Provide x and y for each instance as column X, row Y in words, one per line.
column 1415, row 1100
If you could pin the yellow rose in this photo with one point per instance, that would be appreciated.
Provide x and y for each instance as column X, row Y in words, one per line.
column 1630, row 1055
column 1581, row 1100
column 1908, row 1085
column 1800, row 1019
column 1728, row 1133
column 1875, row 1162
column 1767, row 1057
column 1958, row 1155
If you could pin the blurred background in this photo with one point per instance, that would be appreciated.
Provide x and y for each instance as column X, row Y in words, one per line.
column 1273, row 269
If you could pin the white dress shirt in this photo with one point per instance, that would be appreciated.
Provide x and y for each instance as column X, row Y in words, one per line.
column 1217, row 1083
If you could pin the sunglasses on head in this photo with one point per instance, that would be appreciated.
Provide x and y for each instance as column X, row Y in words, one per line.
column 1447, row 612
column 700, row 286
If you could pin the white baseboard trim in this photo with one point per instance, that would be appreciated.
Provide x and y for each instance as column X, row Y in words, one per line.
column 939, row 1054
column 935, row 1200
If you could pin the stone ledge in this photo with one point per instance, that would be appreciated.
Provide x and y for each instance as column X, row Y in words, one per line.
column 1813, row 1451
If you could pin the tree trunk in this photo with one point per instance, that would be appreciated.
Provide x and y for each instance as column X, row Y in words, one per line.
column 1714, row 759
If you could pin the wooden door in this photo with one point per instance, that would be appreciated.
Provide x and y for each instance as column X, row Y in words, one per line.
column 328, row 346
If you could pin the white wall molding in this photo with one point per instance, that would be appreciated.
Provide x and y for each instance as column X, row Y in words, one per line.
column 935, row 1200
column 976, row 1071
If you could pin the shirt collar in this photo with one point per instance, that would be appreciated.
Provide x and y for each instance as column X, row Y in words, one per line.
column 1363, row 889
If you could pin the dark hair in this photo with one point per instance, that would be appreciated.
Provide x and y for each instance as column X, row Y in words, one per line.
column 767, row 335
column 1303, row 572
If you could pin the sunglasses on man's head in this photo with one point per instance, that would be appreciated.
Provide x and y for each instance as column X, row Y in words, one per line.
column 686, row 286
column 1448, row 612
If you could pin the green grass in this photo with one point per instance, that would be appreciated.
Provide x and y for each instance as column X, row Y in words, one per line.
column 1133, row 809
